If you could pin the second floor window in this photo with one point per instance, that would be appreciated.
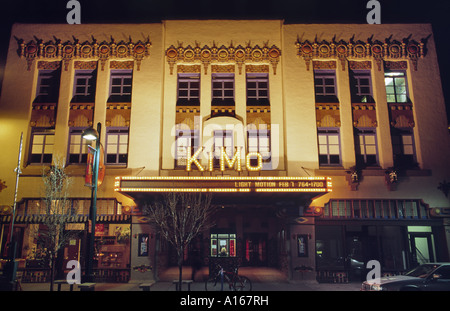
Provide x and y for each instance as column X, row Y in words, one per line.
column 329, row 146
column 222, row 139
column 223, row 89
column 259, row 141
column 403, row 148
column 366, row 147
column 41, row 146
column 117, row 145
column 78, row 147
column 188, row 89
column 120, row 86
column 186, row 139
column 396, row 90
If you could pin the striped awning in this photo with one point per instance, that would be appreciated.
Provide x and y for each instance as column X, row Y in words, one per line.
column 36, row 219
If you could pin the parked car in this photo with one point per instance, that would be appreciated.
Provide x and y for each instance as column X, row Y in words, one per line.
column 426, row 277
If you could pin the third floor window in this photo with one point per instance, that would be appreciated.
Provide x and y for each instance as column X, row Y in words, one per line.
column 120, row 86
column 47, row 90
column 325, row 86
column 223, row 89
column 396, row 88
column 84, row 86
column 188, row 89
column 257, row 89
column 361, row 86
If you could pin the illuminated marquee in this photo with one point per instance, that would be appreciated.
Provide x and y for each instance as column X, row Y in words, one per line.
column 223, row 184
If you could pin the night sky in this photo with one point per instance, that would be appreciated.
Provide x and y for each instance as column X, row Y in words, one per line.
column 436, row 12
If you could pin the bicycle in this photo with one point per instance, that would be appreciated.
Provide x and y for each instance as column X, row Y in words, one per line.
column 226, row 280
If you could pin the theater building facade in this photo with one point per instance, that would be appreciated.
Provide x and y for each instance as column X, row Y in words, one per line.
column 323, row 146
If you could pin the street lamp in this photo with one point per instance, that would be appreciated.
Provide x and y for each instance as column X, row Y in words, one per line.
column 91, row 134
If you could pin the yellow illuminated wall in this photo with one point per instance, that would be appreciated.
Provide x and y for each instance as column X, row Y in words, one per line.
column 292, row 105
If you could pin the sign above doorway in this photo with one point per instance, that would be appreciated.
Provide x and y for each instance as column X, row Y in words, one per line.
column 223, row 184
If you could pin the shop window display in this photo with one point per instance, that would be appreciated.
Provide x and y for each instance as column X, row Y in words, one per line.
column 112, row 246
column 223, row 245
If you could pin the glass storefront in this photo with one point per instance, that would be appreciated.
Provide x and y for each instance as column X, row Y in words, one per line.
column 112, row 240
column 112, row 246
column 329, row 247
column 349, row 247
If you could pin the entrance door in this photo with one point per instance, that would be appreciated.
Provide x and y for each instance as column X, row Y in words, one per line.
column 256, row 249
column 421, row 248
column 71, row 251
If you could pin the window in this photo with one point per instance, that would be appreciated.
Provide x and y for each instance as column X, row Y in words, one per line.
column 84, row 86
column 403, row 148
column 259, row 141
column 223, row 245
column 396, row 90
column 189, row 89
column 329, row 248
column 361, row 86
column 47, row 90
column 78, row 147
column 222, row 139
column 383, row 209
column 325, row 86
column 41, row 147
column 18, row 237
column 223, row 89
column 120, row 86
column 117, row 145
column 366, row 147
column 186, row 139
column 329, row 146
column 257, row 89
column 444, row 273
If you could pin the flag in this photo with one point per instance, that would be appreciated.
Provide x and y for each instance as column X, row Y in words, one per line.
column 90, row 167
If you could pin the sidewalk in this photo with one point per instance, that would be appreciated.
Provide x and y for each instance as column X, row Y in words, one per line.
column 200, row 286
column 263, row 279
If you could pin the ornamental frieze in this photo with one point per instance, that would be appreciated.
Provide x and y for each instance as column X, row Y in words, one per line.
column 327, row 115
column 374, row 50
column 188, row 69
column 226, row 54
column 401, row 115
column 69, row 50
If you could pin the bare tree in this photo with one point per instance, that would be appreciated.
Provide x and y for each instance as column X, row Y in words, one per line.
column 58, row 212
column 180, row 217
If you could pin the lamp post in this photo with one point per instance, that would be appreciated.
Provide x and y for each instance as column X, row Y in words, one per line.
column 91, row 134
